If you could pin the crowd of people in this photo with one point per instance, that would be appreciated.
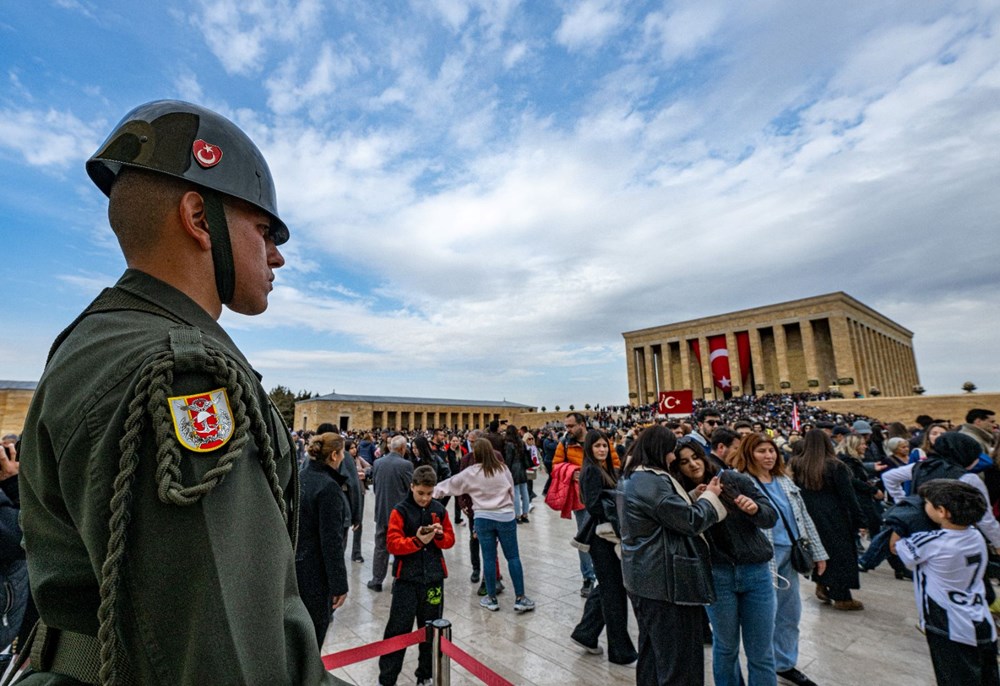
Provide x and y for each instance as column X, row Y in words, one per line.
column 154, row 484
column 703, row 527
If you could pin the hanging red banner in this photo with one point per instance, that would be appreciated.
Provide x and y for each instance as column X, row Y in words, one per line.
column 718, row 357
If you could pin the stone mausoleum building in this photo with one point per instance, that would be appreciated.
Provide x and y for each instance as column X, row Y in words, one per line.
column 386, row 412
column 826, row 343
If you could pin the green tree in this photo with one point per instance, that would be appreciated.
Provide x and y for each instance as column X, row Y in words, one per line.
column 285, row 402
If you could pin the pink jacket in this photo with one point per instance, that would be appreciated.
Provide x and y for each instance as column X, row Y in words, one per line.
column 489, row 493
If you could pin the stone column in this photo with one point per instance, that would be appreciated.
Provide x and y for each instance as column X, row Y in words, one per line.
column 890, row 363
column 890, row 351
column 686, row 364
column 843, row 354
column 899, row 362
column 633, row 377
column 666, row 368
column 809, row 355
column 865, row 361
column 757, row 361
column 883, row 358
column 781, row 349
column 640, row 373
column 875, row 378
column 647, row 353
column 734, row 364
column 706, row 370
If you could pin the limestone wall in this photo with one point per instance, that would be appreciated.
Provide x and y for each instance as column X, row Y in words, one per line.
column 13, row 410
column 905, row 409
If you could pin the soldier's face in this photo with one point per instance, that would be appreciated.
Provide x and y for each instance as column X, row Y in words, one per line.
column 255, row 257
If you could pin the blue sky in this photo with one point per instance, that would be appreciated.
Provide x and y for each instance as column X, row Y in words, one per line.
column 483, row 195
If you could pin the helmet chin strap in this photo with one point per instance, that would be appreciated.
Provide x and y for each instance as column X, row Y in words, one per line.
column 222, row 249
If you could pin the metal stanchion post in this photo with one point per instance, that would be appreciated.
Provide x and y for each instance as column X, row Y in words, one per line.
column 442, row 663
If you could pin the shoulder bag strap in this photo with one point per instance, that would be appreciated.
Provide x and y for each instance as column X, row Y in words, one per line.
column 788, row 528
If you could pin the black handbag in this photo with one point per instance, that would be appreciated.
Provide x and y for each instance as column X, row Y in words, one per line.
column 802, row 555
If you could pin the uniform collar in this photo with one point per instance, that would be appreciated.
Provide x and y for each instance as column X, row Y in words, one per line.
column 151, row 289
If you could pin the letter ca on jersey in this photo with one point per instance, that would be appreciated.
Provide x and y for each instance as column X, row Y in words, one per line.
column 960, row 598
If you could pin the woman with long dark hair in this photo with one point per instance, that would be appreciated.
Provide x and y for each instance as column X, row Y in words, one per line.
column 665, row 560
column 825, row 483
column 516, row 457
column 423, row 455
column 607, row 605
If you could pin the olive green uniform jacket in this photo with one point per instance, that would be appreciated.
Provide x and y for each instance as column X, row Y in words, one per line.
column 208, row 592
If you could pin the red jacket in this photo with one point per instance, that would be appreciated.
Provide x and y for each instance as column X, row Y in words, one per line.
column 564, row 493
column 416, row 561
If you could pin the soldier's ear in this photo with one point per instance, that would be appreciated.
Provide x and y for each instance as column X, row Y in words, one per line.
column 194, row 219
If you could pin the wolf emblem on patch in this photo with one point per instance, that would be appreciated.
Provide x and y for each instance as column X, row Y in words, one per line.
column 203, row 422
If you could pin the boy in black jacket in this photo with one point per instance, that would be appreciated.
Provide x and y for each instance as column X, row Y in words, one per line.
column 419, row 529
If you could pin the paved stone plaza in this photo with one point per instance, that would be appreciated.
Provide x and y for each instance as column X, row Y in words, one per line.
column 877, row 647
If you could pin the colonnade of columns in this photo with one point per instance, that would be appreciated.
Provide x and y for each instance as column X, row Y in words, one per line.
column 885, row 362
column 860, row 356
column 422, row 420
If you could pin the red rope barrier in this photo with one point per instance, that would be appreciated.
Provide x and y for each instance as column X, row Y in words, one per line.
column 377, row 649
column 472, row 665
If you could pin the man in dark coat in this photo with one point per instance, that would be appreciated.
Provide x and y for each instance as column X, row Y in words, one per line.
column 391, row 476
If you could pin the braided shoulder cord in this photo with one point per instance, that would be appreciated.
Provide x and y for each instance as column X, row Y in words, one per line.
column 152, row 390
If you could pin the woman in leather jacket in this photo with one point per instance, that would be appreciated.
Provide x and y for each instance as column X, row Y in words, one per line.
column 665, row 560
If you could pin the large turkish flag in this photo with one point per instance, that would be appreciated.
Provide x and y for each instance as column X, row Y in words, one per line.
column 719, row 357
column 676, row 402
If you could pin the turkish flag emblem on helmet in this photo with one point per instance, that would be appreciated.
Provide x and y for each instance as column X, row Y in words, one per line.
column 206, row 154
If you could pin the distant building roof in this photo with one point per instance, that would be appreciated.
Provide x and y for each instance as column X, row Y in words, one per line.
column 396, row 400
column 18, row 385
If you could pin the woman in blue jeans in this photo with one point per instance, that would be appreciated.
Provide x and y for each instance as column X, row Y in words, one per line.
column 745, row 597
column 768, row 470
column 490, row 486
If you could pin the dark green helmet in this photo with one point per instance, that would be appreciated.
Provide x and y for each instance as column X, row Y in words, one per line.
column 193, row 143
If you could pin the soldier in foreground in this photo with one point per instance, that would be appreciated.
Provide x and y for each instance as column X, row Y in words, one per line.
column 158, row 484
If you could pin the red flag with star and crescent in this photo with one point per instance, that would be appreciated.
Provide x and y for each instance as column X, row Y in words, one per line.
column 676, row 402
column 718, row 356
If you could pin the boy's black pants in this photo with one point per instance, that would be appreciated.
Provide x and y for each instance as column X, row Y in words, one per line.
column 410, row 600
column 958, row 663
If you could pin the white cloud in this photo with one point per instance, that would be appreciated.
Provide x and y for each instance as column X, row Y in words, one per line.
column 682, row 33
column 588, row 23
column 240, row 32
column 454, row 12
column 515, row 53
column 47, row 138
column 464, row 218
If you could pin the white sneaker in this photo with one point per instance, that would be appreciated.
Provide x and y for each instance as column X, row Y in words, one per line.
column 490, row 603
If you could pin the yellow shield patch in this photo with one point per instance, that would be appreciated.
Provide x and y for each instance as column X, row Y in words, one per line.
column 203, row 422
